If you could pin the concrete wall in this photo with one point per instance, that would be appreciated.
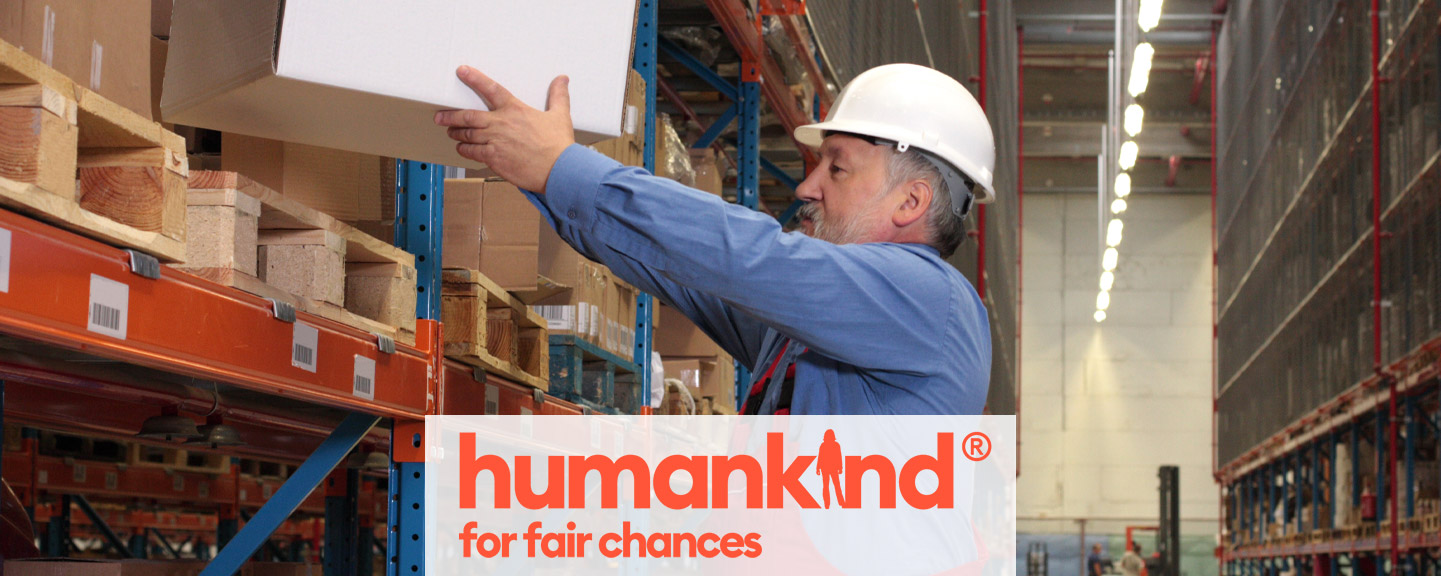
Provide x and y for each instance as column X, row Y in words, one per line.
column 1104, row 405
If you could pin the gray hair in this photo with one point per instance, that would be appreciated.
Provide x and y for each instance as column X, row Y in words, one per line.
column 945, row 229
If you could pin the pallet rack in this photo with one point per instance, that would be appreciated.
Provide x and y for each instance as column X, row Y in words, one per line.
column 1341, row 476
column 238, row 364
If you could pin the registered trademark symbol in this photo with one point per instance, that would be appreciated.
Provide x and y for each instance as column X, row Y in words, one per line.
column 976, row 446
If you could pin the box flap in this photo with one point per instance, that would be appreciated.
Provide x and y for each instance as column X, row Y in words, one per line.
column 216, row 47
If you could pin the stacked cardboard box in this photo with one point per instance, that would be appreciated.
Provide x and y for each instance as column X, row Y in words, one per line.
column 629, row 148
column 358, row 189
column 490, row 226
column 583, row 298
column 690, row 356
column 709, row 175
column 103, row 45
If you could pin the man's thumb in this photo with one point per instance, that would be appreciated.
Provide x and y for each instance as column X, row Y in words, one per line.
column 559, row 98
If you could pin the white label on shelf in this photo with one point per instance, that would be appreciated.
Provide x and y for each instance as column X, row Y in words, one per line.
column 582, row 319
column 112, row 481
column 304, row 344
column 595, row 322
column 364, row 379
column 204, row 489
column 109, row 306
column 4, row 260
column 178, row 483
column 492, row 399
column 43, row 477
column 557, row 317
column 78, row 474
column 527, row 422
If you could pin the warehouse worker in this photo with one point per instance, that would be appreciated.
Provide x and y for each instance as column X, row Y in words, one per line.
column 859, row 315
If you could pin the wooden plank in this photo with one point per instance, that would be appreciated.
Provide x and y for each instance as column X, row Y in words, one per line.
column 141, row 187
column 64, row 212
column 477, row 355
column 244, row 282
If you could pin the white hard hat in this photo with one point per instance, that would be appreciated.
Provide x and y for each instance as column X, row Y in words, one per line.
column 916, row 106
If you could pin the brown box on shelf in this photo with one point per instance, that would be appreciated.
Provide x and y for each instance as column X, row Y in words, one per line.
column 490, row 226
column 103, row 45
column 346, row 185
column 629, row 147
column 678, row 336
column 619, row 313
column 306, row 263
column 708, row 176
column 159, row 49
column 708, row 377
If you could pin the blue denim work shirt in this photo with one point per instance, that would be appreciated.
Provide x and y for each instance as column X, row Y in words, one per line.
column 889, row 328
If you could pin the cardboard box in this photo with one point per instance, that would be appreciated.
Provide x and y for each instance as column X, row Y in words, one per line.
column 369, row 76
column 708, row 176
column 490, row 226
column 712, row 377
column 576, row 310
column 160, row 17
column 103, row 45
column 158, row 51
column 678, row 336
column 619, row 313
column 629, row 147
column 347, row 185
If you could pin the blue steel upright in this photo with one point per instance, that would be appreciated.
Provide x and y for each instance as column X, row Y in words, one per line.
column 290, row 495
column 748, row 175
column 419, row 208
column 644, row 62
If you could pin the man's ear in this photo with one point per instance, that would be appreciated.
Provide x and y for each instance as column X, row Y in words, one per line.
column 915, row 201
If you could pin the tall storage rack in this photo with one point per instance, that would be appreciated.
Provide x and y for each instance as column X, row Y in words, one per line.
column 58, row 374
column 1328, row 246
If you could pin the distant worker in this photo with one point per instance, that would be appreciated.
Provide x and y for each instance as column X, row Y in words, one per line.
column 1094, row 564
column 829, row 466
column 861, row 314
column 1131, row 563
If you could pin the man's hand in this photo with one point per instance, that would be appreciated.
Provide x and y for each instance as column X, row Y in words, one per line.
column 518, row 142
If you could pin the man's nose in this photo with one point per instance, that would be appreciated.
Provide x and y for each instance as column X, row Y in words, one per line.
column 809, row 189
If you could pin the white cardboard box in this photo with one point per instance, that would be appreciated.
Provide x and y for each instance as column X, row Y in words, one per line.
column 368, row 75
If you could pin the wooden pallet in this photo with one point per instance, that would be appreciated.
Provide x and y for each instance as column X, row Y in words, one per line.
column 581, row 371
column 82, row 162
column 177, row 459
column 489, row 328
column 250, row 237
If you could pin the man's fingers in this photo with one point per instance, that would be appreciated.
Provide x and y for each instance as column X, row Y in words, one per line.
column 463, row 118
column 477, row 152
column 468, row 135
column 491, row 91
column 559, row 97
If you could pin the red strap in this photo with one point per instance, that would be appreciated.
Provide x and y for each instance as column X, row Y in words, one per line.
column 760, row 382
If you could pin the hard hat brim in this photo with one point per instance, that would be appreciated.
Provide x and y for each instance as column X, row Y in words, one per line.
column 814, row 134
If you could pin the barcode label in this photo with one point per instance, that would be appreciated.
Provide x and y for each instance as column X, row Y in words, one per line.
column 582, row 319
column 557, row 317
column 632, row 119
column 364, row 379
column 595, row 323
column 109, row 306
column 304, row 343
column 4, row 260
column 492, row 399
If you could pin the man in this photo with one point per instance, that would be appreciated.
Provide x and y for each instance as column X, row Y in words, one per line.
column 1094, row 564
column 861, row 314
column 1131, row 562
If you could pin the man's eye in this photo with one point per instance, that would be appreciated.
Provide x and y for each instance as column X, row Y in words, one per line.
column 835, row 169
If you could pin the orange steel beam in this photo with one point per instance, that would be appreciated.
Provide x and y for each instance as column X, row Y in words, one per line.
column 186, row 325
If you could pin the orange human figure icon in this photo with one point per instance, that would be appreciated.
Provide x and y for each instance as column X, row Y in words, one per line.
column 828, row 466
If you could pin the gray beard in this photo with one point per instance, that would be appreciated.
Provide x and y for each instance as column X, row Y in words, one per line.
column 835, row 232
